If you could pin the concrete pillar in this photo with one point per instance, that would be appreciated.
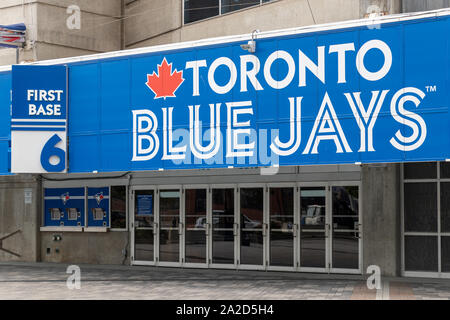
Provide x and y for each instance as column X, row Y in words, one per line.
column 383, row 6
column 20, row 207
column 381, row 218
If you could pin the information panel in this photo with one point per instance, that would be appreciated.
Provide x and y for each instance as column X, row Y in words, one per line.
column 39, row 119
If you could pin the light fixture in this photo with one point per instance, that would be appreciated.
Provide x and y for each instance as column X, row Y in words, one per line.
column 251, row 45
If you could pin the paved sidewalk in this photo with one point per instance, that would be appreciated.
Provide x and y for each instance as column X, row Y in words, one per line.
column 48, row 281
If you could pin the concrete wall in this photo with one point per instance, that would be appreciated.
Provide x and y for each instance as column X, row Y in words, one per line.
column 16, row 215
column 381, row 218
column 161, row 21
column 14, row 11
column 100, row 27
column 46, row 21
column 85, row 247
column 270, row 16
column 423, row 5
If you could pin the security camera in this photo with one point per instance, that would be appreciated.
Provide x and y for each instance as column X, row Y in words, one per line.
column 250, row 46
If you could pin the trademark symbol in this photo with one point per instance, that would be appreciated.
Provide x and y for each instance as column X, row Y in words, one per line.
column 431, row 88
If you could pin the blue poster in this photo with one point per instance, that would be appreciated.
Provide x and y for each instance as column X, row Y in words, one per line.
column 144, row 205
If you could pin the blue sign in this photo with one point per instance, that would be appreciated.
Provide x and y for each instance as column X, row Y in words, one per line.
column 38, row 119
column 64, row 207
column 98, row 207
column 354, row 95
column 144, row 205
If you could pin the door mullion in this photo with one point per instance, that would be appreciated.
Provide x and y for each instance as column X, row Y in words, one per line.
column 237, row 237
column 182, row 240
column 209, row 226
column 329, row 226
column 156, row 228
column 296, row 236
column 131, row 213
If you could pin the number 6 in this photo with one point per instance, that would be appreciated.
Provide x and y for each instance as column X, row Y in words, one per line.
column 50, row 150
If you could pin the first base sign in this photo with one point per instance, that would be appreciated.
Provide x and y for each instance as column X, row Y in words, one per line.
column 39, row 119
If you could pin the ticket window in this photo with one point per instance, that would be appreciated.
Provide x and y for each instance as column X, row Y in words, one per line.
column 70, row 214
column 56, row 215
column 99, row 215
column 98, row 207
column 64, row 207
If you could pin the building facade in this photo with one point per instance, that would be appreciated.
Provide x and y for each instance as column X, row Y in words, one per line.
column 338, row 218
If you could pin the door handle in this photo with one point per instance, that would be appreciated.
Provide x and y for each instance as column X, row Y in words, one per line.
column 235, row 229
column 207, row 229
column 265, row 227
column 180, row 228
column 295, row 229
column 327, row 230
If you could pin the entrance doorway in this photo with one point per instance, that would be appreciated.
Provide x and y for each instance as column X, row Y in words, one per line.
column 291, row 227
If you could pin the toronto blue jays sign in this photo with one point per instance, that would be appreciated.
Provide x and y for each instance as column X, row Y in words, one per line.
column 355, row 95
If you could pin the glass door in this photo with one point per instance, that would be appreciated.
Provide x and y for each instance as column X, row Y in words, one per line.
column 196, row 226
column 170, row 226
column 224, row 227
column 253, row 230
column 143, row 226
column 282, row 227
column 345, row 226
column 314, row 229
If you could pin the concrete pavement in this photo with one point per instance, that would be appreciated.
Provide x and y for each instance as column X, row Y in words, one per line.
column 48, row 281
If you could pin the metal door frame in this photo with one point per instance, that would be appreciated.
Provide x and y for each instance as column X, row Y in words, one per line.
column 299, row 187
column 207, row 188
column 360, row 222
column 180, row 226
column 294, row 231
column 132, row 190
column 236, row 218
column 264, row 229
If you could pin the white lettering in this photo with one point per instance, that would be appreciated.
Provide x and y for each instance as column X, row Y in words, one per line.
column 366, row 118
column 317, row 69
column 195, row 66
column 369, row 45
column 283, row 55
column 233, row 75
column 405, row 117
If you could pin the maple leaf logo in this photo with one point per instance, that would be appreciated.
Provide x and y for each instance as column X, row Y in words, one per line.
column 165, row 83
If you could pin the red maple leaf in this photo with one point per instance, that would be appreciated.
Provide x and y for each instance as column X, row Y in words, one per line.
column 165, row 83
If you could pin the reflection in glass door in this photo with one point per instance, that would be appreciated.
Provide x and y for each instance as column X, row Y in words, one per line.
column 144, row 225
column 196, row 226
column 282, row 231
column 345, row 227
column 170, row 227
column 253, row 228
column 313, row 227
column 224, row 228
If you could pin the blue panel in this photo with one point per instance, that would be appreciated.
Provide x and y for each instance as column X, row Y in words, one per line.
column 84, row 153
column 98, row 207
column 115, row 95
column 66, row 201
column 5, row 121
column 84, row 87
column 40, row 86
column 111, row 159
